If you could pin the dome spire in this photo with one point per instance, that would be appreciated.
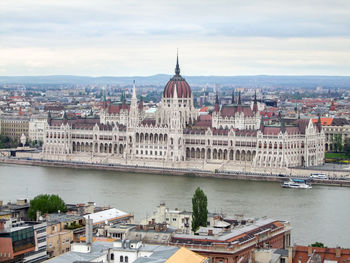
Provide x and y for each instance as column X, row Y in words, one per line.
column 177, row 69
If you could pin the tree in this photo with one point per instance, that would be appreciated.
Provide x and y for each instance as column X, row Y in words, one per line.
column 347, row 147
column 199, row 209
column 317, row 244
column 46, row 204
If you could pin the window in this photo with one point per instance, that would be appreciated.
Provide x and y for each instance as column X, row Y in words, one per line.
column 174, row 219
column 126, row 259
column 121, row 259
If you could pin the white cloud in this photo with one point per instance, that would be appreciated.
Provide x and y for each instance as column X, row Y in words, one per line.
column 140, row 37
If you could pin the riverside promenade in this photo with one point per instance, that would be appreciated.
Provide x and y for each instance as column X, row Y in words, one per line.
column 238, row 175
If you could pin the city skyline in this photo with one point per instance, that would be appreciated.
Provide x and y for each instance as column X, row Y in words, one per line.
column 132, row 38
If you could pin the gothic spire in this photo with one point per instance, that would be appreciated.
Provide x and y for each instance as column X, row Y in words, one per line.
column 283, row 125
column 134, row 91
column 255, row 106
column 217, row 106
column 319, row 124
column 239, row 108
column 233, row 97
column 177, row 69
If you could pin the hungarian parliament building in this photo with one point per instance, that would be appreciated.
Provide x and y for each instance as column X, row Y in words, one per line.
column 233, row 136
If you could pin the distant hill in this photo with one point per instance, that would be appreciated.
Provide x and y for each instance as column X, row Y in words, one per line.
column 161, row 80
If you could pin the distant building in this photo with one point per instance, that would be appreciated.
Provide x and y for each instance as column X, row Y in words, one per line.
column 13, row 126
column 37, row 126
column 175, row 137
column 334, row 127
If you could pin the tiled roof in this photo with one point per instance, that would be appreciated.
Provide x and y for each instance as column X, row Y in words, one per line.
column 229, row 110
column 324, row 121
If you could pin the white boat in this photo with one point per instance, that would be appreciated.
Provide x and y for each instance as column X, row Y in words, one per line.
column 296, row 184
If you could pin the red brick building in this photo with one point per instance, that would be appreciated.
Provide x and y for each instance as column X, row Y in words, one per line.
column 301, row 254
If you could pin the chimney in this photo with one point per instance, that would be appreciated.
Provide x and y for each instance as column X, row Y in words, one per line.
column 338, row 252
column 138, row 227
column 1, row 202
column 309, row 251
column 38, row 214
column 165, row 227
column 88, row 230
column 156, row 228
column 210, row 232
column 149, row 223
column 153, row 221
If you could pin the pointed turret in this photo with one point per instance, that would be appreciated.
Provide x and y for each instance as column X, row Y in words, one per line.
column 104, row 98
column 319, row 123
column 262, row 125
column 49, row 118
column 255, row 105
column 217, row 106
column 65, row 115
column 283, row 125
column 239, row 108
column 134, row 91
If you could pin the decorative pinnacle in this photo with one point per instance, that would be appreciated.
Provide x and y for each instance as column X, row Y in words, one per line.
column 177, row 68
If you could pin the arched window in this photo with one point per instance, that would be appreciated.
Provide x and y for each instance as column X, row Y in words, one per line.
column 121, row 259
column 126, row 259
column 112, row 256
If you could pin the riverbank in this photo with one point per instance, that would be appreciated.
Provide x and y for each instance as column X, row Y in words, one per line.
column 249, row 176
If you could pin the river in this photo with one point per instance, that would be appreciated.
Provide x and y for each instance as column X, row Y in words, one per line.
column 320, row 214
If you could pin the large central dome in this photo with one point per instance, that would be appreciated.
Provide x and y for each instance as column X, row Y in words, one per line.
column 182, row 87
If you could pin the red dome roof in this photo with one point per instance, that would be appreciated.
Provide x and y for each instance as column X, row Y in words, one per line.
column 182, row 87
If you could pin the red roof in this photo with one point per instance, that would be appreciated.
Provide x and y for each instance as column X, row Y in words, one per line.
column 182, row 87
column 229, row 111
column 204, row 109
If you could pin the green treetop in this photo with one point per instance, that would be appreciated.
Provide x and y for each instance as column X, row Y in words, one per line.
column 46, row 204
column 199, row 209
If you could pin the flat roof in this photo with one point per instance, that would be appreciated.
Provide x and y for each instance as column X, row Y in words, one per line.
column 106, row 215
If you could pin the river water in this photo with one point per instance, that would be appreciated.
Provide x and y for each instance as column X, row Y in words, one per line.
column 320, row 214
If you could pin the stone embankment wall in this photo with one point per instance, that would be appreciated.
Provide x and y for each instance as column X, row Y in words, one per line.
column 172, row 171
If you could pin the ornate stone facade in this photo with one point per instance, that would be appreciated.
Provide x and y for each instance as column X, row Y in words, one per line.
column 233, row 136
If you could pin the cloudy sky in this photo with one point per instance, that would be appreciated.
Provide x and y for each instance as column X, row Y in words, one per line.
column 214, row 37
